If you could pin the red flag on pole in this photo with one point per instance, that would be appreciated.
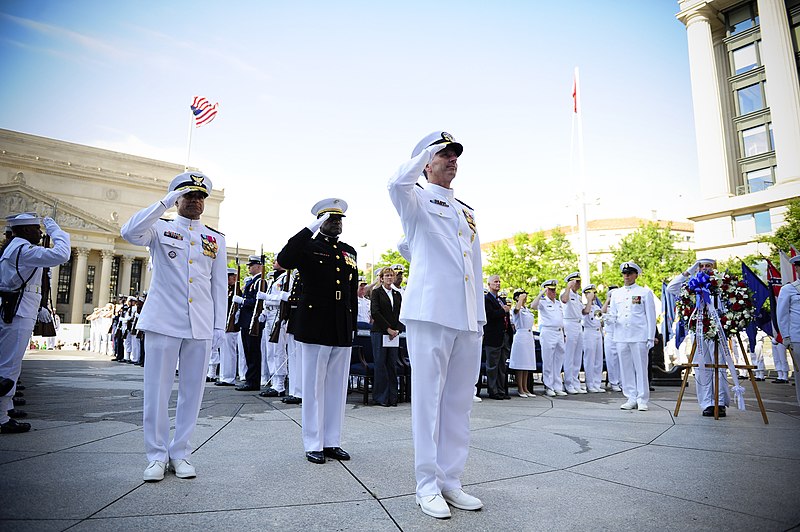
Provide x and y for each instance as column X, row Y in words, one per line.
column 574, row 95
column 774, row 282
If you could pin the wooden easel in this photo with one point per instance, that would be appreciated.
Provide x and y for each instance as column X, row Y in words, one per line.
column 717, row 366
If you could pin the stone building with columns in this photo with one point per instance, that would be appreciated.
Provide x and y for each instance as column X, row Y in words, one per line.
column 93, row 192
column 743, row 62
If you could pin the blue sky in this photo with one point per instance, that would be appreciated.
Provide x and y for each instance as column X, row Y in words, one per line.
column 321, row 99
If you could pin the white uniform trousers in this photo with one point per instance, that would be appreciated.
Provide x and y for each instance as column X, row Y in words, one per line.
column 612, row 360
column 228, row 352
column 593, row 357
column 295, row 367
column 573, row 351
column 551, row 340
column 136, row 350
column 213, row 363
column 325, row 370
column 633, row 370
column 704, row 377
column 264, row 357
column 14, row 338
column 242, row 359
column 163, row 353
column 126, row 344
column 277, row 361
column 780, row 361
column 445, row 364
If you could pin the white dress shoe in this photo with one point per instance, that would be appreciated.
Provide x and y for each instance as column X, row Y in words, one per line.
column 595, row 390
column 561, row 393
column 522, row 394
column 182, row 468
column 434, row 505
column 642, row 407
column 572, row 391
column 462, row 500
column 476, row 399
column 615, row 388
column 154, row 471
column 580, row 390
column 549, row 393
column 630, row 405
column 531, row 394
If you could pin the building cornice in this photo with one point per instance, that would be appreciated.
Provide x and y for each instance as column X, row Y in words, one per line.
column 774, row 196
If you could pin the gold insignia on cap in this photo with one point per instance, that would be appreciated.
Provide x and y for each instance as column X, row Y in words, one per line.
column 447, row 136
column 197, row 179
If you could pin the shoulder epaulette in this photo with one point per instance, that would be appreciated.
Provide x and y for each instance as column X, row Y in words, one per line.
column 215, row 230
column 464, row 204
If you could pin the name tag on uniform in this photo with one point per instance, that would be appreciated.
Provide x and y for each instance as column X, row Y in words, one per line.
column 173, row 234
column 636, row 300
column 210, row 246
column 439, row 202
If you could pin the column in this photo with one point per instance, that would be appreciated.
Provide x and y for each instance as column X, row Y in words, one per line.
column 107, row 259
column 147, row 272
column 78, row 290
column 54, row 285
column 783, row 90
column 708, row 116
column 124, row 283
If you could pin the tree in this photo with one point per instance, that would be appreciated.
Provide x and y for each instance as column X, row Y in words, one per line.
column 787, row 234
column 390, row 257
column 653, row 249
column 531, row 260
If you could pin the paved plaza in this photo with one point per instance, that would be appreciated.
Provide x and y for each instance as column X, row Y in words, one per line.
column 572, row 463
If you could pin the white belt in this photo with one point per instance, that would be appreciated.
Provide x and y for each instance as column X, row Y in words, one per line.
column 35, row 289
column 572, row 319
column 523, row 330
column 592, row 329
column 554, row 327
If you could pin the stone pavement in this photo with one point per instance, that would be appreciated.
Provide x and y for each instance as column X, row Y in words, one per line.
column 569, row 463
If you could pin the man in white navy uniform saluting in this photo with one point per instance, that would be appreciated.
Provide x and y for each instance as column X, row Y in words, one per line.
column 788, row 312
column 444, row 315
column 184, row 318
column 21, row 263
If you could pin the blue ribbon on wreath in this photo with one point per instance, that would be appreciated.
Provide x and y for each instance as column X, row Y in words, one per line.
column 700, row 284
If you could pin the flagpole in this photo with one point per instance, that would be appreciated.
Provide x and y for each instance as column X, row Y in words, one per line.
column 189, row 142
column 584, row 247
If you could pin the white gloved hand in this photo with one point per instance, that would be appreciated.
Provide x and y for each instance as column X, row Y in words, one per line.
column 170, row 199
column 219, row 335
column 786, row 341
column 316, row 224
column 650, row 344
column 236, row 317
column 262, row 296
column 693, row 270
column 285, row 296
column 238, row 299
column 44, row 315
column 436, row 148
column 262, row 317
column 50, row 225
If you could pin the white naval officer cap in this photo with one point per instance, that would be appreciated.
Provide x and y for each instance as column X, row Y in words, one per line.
column 191, row 181
column 231, row 271
column 630, row 267
column 550, row 283
column 334, row 206
column 707, row 261
column 437, row 137
column 398, row 268
column 25, row 218
column 253, row 259
column 573, row 275
column 589, row 288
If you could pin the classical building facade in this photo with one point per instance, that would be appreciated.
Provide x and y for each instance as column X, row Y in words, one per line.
column 743, row 62
column 92, row 192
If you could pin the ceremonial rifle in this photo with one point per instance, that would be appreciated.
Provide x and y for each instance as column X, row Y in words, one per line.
column 231, row 326
column 41, row 328
column 255, row 325
column 283, row 309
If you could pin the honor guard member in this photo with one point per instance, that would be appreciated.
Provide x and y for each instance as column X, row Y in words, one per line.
column 325, row 322
column 229, row 350
column 250, row 343
column 399, row 271
column 633, row 313
column 294, row 363
column 593, row 341
column 610, row 348
column 551, row 337
column 703, row 376
column 21, row 263
column 573, row 348
column 444, row 315
column 275, row 329
column 788, row 309
column 184, row 317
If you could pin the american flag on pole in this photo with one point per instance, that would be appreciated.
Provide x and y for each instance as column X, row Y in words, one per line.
column 203, row 111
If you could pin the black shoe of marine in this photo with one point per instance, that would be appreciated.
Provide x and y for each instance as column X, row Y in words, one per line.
column 6, row 385
column 316, row 457
column 337, row 453
column 12, row 426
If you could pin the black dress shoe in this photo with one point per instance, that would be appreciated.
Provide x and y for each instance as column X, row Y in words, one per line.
column 506, row 396
column 12, row 426
column 291, row 400
column 709, row 411
column 246, row 388
column 210, row 379
column 19, row 386
column 19, row 394
column 18, row 401
column 15, row 413
column 315, row 457
column 271, row 392
column 223, row 383
column 6, row 385
column 780, row 381
column 760, row 379
column 336, row 453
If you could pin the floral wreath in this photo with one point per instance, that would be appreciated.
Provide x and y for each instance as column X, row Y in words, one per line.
column 734, row 295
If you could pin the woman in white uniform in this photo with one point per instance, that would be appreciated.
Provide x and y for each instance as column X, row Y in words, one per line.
column 523, row 351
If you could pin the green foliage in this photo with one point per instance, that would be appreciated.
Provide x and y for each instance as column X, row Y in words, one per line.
column 787, row 234
column 734, row 264
column 269, row 258
column 389, row 258
column 531, row 260
column 653, row 249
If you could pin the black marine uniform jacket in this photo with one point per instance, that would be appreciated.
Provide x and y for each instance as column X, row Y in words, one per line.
column 247, row 308
column 328, row 308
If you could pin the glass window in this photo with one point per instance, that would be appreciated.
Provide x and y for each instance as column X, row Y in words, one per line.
column 743, row 226
column 136, row 276
column 741, row 19
column 114, row 279
column 64, row 280
column 750, row 99
column 754, row 141
column 796, row 37
column 744, row 58
column 759, row 180
column 763, row 222
column 89, row 285
column 771, row 137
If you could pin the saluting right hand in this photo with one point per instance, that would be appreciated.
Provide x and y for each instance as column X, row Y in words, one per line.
column 50, row 225
column 316, row 224
column 436, row 148
column 170, row 199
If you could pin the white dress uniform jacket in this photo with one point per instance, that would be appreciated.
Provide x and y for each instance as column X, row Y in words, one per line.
column 632, row 311
column 440, row 230
column 789, row 312
column 188, row 295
